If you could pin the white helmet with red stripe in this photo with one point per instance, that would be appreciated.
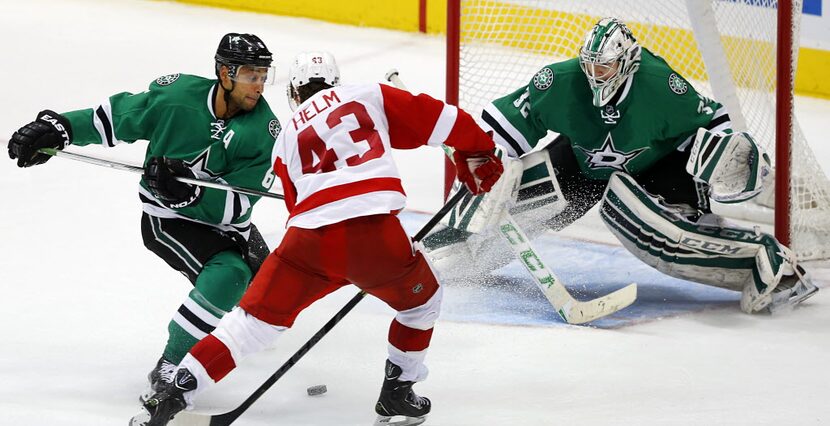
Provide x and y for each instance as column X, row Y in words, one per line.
column 311, row 67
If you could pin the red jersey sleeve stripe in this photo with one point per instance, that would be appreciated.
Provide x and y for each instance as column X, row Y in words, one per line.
column 411, row 118
column 346, row 190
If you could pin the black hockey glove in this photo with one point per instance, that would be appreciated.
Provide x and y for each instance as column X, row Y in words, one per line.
column 160, row 174
column 49, row 130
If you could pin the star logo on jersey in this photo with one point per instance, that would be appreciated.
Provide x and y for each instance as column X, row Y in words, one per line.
column 167, row 80
column 274, row 128
column 677, row 84
column 609, row 157
column 199, row 165
column 543, row 79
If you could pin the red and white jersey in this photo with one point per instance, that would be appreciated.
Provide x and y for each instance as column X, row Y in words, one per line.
column 334, row 155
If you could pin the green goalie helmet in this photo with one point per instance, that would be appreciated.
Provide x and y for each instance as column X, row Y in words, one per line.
column 608, row 56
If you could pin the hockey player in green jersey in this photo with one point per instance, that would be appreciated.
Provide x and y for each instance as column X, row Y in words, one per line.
column 636, row 136
column 219, row 129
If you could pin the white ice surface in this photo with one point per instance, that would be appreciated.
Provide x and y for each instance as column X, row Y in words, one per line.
column 86, row 306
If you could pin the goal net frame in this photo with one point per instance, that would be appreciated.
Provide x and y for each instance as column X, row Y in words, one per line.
column 788, row 21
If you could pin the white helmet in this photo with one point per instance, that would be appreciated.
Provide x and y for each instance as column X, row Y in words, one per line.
column 309, row 67
column 608, row 56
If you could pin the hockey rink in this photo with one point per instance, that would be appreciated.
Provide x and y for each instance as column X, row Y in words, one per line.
column 86, row 306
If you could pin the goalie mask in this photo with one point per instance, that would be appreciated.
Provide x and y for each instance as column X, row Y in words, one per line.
column 608, row 56
column 311, row 67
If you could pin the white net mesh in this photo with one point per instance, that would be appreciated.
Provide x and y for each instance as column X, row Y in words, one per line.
column 725, row 48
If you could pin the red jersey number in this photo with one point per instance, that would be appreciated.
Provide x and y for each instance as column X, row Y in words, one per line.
column 310, row 145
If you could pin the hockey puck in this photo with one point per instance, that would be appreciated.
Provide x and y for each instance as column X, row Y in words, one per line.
column 316, row 390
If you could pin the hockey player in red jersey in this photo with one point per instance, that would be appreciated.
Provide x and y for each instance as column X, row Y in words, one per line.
column 342, row 191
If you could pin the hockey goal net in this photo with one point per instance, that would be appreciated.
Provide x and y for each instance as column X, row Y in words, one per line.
column 726, row 48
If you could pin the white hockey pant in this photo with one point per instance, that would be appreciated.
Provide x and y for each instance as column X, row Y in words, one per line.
column 708, row 253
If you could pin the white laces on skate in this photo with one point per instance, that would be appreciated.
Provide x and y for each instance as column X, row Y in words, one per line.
column 167, row 371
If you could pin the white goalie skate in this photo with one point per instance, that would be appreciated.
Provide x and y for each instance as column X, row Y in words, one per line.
column 790, row 291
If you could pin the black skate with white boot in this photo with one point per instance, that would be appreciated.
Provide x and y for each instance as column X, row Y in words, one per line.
column 398, row 405
column 160, row 408
column 162, row 373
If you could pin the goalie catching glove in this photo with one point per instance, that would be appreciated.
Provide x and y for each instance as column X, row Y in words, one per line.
column 49, row 130
column 732, row 164
column 478, row 170
column 160, row 175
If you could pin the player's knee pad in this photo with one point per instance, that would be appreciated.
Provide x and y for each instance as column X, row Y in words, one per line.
column 244, row 334
column 703, row 250
column 422, row 317
column 224, row 279
column 732, row 164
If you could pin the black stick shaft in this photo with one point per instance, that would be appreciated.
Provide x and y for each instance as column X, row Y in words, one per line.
column 231, row 416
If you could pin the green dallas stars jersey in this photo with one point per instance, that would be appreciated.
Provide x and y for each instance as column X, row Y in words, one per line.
column 176, row 116
column 653, row 113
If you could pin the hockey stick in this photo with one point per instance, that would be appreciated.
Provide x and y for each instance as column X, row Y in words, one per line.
column 571, row 310
column 229, row 417
column 136, row 169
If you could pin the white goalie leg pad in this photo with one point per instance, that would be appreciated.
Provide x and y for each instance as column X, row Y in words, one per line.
column 707, row 251
column 477, row 213
column 538, row 186
column 536, row 197
column 732, row 164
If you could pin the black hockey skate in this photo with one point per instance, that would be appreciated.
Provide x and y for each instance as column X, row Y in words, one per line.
column 162, row 373
column 160, row 408
column 398, row 405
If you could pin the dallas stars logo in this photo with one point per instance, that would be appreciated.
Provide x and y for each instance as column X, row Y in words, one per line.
column 608, row 156
column 199, row 165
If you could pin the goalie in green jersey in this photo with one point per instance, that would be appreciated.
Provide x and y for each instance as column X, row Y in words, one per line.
column 634, row 136
column 219, row 129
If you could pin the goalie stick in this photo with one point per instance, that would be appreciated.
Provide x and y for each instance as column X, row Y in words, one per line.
column 229, row 417
column 136, row 169
column 571, row 310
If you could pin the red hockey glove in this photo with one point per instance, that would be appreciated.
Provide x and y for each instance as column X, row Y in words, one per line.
column 478, row 170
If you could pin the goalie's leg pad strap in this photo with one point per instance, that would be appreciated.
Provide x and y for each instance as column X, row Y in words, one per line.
column 728, row 257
